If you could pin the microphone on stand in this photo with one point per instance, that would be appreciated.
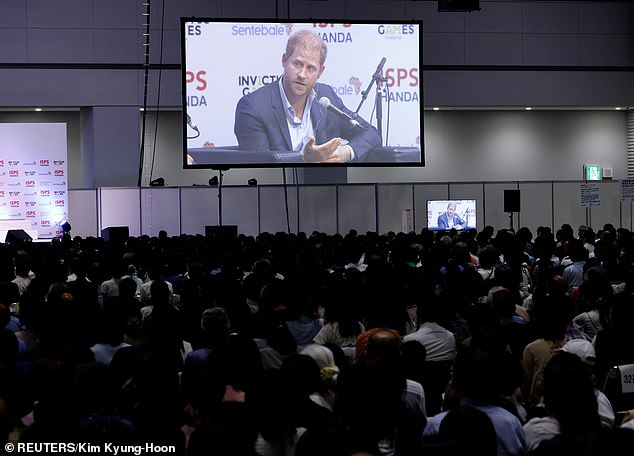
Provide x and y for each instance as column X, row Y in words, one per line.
column 324, row 102
column 379, row 69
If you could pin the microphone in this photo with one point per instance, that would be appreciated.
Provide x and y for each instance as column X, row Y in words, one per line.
column 191, row 123
column 324, row 102
column 379, row 69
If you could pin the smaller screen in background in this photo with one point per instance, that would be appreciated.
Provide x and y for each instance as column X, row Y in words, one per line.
column 226, row 61
column 451, row 214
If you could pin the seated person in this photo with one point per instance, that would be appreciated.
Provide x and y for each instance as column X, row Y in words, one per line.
column 290, row 115
column 450, row 220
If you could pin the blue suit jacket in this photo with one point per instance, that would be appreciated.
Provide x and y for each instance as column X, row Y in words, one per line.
column 443, row 222
column 260, row 122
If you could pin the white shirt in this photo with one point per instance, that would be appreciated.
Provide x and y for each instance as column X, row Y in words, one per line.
column 439, row 343
column 301, row 130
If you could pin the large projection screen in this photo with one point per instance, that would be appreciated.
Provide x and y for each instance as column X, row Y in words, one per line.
column 234, row 112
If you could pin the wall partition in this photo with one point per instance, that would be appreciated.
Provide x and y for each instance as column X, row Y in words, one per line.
column 336, row 208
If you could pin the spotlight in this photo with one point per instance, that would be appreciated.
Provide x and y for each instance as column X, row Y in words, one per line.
column 160, row 182
column 65, row 226
column 252, row 182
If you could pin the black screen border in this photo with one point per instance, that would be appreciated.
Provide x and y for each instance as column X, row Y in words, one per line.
column 225, row 166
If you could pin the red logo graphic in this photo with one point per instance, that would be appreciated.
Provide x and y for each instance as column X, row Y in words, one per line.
column 45, row 193
column 30, row 183
column 199, row 77
column 30, row 213
column 45, row 222
column 14, row 203
column 14, row 173
column 45, row 163
column 59, row 202
column 356, row 83
column 401, row 76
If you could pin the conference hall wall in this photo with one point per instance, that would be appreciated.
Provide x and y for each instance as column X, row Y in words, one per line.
column 335, row 208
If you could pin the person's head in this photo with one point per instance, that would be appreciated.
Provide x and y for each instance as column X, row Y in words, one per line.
column 303, row 63
column 569, row 395
column 451, row 210
column 215, row 324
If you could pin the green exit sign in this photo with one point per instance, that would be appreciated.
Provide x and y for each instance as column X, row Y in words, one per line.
column 592, row 172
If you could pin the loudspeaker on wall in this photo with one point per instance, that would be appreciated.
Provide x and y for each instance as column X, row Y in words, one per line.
column 511, row 201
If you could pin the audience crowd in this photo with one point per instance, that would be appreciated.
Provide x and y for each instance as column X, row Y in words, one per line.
column 430, row 343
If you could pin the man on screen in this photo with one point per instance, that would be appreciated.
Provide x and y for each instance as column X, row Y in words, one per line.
column 449, row 219
column 291, row 114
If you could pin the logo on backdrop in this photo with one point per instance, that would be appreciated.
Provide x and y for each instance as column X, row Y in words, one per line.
column 396, row 31
column 251, row 82
column 45, row 163
column 403, row 84
column 351, row 87
column 355, row 82
column 199, row 83
column 333, row 33
column 259, row 30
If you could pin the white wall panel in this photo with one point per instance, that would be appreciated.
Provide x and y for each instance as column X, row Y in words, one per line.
column 240, row 207
column 273, row 204
column 199, row 208
column 393, row 200
column 610, row 209
column 318, row 209
column 120, row 207
column 536, row 204
column 356, row 208
column 567, row 205
column 83, row 212
column 160, row 210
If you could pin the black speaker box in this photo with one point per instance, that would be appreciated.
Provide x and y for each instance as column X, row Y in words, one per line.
column 115, row 233
column 458, row 5
column 511, row 200
column 15, row 236
column 222, row 232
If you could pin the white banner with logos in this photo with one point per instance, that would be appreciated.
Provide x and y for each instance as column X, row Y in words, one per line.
column 33, row 178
